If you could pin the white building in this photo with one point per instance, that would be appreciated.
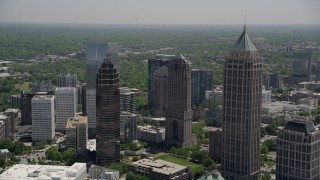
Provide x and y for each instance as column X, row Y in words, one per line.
column 151, row 134
column 42, row 110
column 266, row 96
column 101, row 173
column 66, row 106
column 77, row 171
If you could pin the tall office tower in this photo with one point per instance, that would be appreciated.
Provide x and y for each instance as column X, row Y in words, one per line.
column 275, row 81
column 77, row 132
column 160, row 91
column 153, row 65
column 298, row 151
column 215, row 106
column 318, row 70
column 266, row 78
column 128, row 127
column 301, row 64
column 202, row 80
column 127, row 100
column 42, row 117
column 179, row 113
column 25, row 105
column 67, row 80
column 108, row 114
column 66, row 106
column 84, row 99
column 94, row 57
column 241, row 111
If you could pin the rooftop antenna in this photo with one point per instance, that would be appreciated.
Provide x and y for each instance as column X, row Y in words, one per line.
column 245, row 24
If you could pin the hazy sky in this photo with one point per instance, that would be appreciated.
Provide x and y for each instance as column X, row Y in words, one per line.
column 162, row 11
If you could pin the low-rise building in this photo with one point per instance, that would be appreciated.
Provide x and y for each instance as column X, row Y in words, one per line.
column 151, row 134
column 160, row 169
column 77, row 171
column 4, row 153
column 101, row 173
column 77, row 132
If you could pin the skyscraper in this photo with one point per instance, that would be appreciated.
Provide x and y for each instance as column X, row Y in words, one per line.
column 301, row 64
column 107, row 114
column 128, row 127
column 95, row 54
column 241, row 111
column 65, row 105
column 298, row 151
column 179, row 113
column 127, row 100
column 318, row 70
column 160, row 91
column 42, row 117
column 202, row 80
column 67, row 80
column 153, row 65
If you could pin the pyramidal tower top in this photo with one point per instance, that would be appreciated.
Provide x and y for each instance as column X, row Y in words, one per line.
column 244, row 42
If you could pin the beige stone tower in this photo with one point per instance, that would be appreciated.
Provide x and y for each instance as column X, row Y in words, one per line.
column 178, row 112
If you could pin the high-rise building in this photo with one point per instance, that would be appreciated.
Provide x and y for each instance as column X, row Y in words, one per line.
column 95, row 54
column 215, row 140
column 77, row 132
column 42, row 117
column 265, row 96
column 298, row 151
column 7, row 126
column 2, row 130
column 12, row 114
column 179, row 113
column 107, row 114
column 67, row 80
column 241, row 111
column 160, row 91
column 318, row 70
column 66, row 106
column 202, row 80
column 41, row 86
column 128, row 127
column 127, row 100
column 275, row 81
column 153, row 65
column 215, row 106
column 25, row 105
column 301, row 64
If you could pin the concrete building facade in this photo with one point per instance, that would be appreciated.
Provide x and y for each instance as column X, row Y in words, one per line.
column 298, row 151
column 127, row 100
column 215, row 143
column 102, row 173
column 179, row 113
column 43, row 125
column 65, row 106
column 128, row 127
column 77, row 132
column 107, row 114
column 242, row 111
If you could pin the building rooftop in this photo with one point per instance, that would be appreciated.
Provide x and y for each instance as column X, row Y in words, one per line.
column 12, row 110
column 43, row 97
column 300, row 125
column 91, row 144
column 3, row 117
column 160, row 166
column 244, row 42
column 43, row 172
column 78, row 119
column 151, row 129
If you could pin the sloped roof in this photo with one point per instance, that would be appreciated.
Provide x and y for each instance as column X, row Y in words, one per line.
column 299, row 126
column 244, row 42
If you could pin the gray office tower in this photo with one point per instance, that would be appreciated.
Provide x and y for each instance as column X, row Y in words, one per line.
column 318, row 70
column 179, row 113
column 153, row 65
column 202, row 80
column 67, row 80
column 301, row 64
column 95, row 53
column 242, row 111
column 298, row 151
